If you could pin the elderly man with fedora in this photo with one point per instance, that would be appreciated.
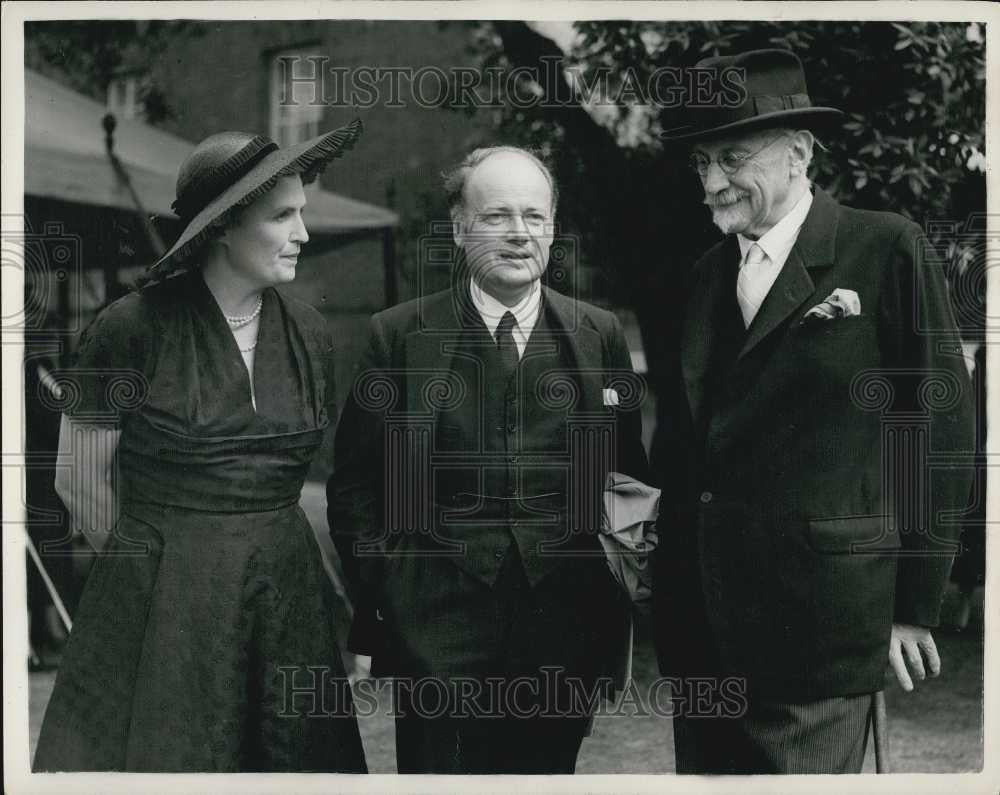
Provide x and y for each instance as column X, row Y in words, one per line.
column 470, row 462
column 820, row 385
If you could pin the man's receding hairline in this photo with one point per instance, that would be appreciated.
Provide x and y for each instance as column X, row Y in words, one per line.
column 511, row 151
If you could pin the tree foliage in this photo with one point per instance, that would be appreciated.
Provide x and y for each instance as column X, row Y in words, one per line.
column 911, row 140
column 87, row 55
column 913, row 95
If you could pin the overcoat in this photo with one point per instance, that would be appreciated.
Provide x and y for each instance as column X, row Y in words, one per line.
column 816, row 471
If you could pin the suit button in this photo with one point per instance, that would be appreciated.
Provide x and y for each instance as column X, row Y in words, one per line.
column 499, row 553
column 511, row 428
column 512, row 459
column 706, row 496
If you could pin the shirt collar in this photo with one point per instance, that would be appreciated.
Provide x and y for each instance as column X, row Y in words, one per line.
column 491, row 310
column 777, row 241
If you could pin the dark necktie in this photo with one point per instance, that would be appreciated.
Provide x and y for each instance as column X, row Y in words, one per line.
column 506, row 344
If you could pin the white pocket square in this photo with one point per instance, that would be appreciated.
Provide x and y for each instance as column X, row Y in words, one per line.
column 610, row 397
column 839, row 303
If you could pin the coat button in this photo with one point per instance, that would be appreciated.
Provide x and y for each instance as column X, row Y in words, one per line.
column 499, row 553
column 512, row 459
column 511, row 428
column 706, row 496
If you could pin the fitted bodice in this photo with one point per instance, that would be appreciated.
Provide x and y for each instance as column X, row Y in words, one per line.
column 191, row 437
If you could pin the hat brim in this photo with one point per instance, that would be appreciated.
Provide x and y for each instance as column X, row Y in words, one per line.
column 310, row 157
column 804, row 117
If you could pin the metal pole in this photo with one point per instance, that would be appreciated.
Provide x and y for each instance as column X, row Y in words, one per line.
column 110, row 123
column 389, row 251
column 389, row 262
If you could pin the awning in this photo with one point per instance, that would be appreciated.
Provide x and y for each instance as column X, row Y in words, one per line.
column 65, row 159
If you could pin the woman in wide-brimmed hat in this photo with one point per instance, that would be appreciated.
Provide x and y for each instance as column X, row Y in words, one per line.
column 205, row 639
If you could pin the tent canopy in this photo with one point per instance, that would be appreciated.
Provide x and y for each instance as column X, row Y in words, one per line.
column 65, row 158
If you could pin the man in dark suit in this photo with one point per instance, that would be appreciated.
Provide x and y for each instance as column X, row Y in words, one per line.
column 470, row 462
column 813, row 459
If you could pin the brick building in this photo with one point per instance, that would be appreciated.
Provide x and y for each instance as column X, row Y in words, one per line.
column 228, row 75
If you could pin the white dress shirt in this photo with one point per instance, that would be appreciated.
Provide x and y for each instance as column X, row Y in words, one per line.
column 755, row 282
column 525, row 312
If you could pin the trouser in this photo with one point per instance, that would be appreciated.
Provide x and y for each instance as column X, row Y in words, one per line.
column 509, row 744
column 825, row 736
column 530, row 722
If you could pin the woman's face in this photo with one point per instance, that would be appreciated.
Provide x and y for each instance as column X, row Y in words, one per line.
column 263, row 246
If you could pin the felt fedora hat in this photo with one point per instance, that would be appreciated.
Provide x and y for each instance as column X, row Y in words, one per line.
column 763, row 88
column 233, row 169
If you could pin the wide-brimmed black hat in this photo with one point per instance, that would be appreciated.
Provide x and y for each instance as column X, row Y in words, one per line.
column 773, row 94
column 234, row 169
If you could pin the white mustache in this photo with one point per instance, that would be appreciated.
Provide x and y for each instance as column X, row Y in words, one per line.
column 724, row 197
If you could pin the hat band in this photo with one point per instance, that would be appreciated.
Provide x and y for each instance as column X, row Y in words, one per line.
column 773, row 103
column 753, row 107
column 215, row 181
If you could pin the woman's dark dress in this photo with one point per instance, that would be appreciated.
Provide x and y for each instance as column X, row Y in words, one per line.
column 211, row 602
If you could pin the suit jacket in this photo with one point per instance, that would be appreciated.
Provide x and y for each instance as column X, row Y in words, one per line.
column 815, row 469
column 423, row 609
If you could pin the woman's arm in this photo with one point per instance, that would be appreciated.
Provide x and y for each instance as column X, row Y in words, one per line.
column 85, row 478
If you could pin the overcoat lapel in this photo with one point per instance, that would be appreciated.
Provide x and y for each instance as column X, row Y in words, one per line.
column 703, row 321
column 790, row 290
column 813, row 248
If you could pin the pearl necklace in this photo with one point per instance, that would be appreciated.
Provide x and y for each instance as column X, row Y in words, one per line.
column 238, row 321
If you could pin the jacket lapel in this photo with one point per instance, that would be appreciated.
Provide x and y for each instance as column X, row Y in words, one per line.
column 813, row 248
column 703, row 321
column 444, row 320
column 584, row 344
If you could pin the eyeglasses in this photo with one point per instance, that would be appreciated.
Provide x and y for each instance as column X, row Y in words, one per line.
column 730, row 161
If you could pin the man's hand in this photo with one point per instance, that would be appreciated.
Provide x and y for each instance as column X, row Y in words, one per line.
column 913, row 644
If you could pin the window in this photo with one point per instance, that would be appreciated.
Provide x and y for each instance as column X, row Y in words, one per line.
column 296, row 95
column 122, row 100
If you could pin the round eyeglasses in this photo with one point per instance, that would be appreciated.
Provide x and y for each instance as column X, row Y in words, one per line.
column 729, row 160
